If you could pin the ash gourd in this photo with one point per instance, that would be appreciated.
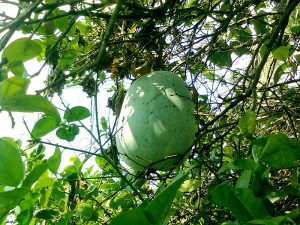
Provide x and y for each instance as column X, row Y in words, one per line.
column 156, row 127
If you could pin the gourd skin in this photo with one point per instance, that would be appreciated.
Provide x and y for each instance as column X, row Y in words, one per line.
column 156, row 126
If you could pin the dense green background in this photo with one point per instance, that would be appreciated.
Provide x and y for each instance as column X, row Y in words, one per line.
column 239, row 59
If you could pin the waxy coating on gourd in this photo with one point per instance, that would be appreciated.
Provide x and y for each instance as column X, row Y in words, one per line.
column 156, row 126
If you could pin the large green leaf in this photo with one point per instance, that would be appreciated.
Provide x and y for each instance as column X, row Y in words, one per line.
column 281, row 53
column 157, row 212
column 159, row 208
column 246, row 164
column 279, row 220
column 17, row 68
column 280, row 151
column 25, row 213
column 22, row 49
column 76, row 113
column 34, row 175
column 10, row 199
column 13, row 86
column 137, row 216
column 54, row 161
column 30, row 103
column 279, row 71
column 221, row 59
column 247, row 123
column 68, row 133
column 11, row 165
column 241, row 201
column 44, row 126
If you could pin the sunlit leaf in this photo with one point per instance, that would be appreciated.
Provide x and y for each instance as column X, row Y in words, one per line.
column 30, row 103
column 54, row 161
column 35, row 174
column 10, row 199
column 22, row 50
column 103, row 123
column 44, row 126
column 68, row 133
column 11, row 165
column 190, row 185
column 17, row 68
column 76, row 113
column 26, row 208
column 13, row 86
column 281, row 53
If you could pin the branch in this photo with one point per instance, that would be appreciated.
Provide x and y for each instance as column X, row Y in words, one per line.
column 281, row 26
column 12, row 26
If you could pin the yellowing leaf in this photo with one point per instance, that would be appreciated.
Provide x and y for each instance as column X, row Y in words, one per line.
column 190, row 185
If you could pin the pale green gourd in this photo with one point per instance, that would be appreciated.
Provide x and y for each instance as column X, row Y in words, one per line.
column 156, row 127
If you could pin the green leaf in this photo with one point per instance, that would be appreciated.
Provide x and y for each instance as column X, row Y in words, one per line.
column 13, row 86
column 35, row 174
column 67, row 59
column 221, row 59
column 137, row 216
column 22, row 49
column 279, row 220
column 86, row 212
column 68, row 133
column 241, row 201
column 54, row 161
column 260, row 25
column 280, row 151
column 26, row 208
column 281, row 53
column 159, row 208
column 238, row 164
column 295, row 29
column 279, row 71
column 30, row 103
column 220, row 193
column 157, row 212
column 11, row 165
column 10, row 199
column 103, row 123
column 44, row 182
column 46, row 214
column 44, row 126
column 17, row 68
column 247, row 123
column 244, row 180
column 76, row 113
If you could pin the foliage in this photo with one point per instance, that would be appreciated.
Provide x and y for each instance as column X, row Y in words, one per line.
column 239, row 59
